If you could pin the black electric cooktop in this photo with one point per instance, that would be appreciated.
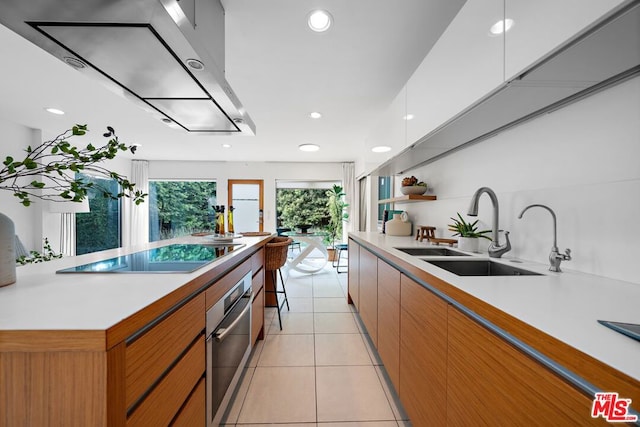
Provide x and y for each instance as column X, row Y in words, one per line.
column 629, row 329
column 167, row 259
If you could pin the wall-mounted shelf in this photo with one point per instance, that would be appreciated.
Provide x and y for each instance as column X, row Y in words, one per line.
column 411, row 198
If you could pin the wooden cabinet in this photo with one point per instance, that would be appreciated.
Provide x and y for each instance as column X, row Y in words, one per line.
column 167, row 397
column 462, row 67
column 353, row 274
column 493, row 383
column 525, row 43
column 149, row 356
column 389, row 320
column 368, row 298
column 423, row 354
column 193, row 413
column 257, row 286
column 257, row 311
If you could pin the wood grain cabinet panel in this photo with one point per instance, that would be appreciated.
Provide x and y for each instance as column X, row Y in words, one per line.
column 228, row 281
column 389, row 320
column 353, row 274
column 423, row 355
column 193, row 413
column 152, row 354
column 369, row 293
column 494, row 383
column 257, row 261
column 166, row 399
column 257, row 316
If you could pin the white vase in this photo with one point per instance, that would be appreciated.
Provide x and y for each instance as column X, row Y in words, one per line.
column 468, row 244
column 7, row 251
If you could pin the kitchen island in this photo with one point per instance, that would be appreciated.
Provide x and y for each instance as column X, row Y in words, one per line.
column 100, row 349
column 493, row 348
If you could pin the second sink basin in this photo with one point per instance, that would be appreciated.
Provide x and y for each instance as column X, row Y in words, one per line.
column 481, row 267
column 431, row 252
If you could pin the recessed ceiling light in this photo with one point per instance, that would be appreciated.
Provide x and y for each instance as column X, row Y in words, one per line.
column 166, row 120
column 408, row 117
column 74, row 62
column 308, row 147
column 315, row 115
column 381, row 149
column 319, row 20
column 195, row 64
column 226, row 145
column 502, row 26
column 54, row 111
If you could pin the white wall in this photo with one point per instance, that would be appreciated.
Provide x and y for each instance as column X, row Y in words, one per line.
column 15, row 139
column 269, row 172
column 582, row 161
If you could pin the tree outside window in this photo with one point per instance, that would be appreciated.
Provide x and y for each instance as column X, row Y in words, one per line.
column 179, row 208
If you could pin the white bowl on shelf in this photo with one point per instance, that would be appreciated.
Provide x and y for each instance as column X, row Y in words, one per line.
column 413, row 189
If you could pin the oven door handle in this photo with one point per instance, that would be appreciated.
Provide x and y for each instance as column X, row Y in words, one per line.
column 222, row 333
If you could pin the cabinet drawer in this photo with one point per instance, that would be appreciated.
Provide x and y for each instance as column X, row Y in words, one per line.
column 219, row 288
column 150, row 356
column 257, row 315
column 193, row 413
column 257, row 260
column 162, row 404
column 257, row 281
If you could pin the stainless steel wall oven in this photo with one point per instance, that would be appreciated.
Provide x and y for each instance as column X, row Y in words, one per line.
column 228, row 347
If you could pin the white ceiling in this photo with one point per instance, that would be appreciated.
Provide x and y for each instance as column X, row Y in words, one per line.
column 280, row 70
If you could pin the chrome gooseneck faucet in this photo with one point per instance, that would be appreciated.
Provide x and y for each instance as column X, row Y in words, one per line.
column 555, row 257
column 495, row 249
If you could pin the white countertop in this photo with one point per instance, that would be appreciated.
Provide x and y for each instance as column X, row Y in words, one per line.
column 43, row 300
column 564, row 305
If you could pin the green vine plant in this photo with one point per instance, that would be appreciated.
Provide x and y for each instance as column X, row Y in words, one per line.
column 35, row 257
column 52, row 168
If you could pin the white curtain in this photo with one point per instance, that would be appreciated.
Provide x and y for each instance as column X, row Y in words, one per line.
column 135, row 229
column 349, row 185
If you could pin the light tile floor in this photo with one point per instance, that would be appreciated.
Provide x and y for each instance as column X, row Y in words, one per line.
column 320, row 370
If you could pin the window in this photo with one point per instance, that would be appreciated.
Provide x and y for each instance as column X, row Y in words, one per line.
column 100, row 228
column 179, row 208
column 384, row 192
column 302, row 203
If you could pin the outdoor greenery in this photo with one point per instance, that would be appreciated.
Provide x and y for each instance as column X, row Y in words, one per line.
column 302, row 206
column 53, row 169
column 99, row 229
column 178, row 208
column 337, row 214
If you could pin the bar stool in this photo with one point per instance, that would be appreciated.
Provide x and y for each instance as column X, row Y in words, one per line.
column 275, row 256
column 341, row 247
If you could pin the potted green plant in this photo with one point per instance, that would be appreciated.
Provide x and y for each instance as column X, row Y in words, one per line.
column 337, row 215
column 48, row 172
column 468, row 233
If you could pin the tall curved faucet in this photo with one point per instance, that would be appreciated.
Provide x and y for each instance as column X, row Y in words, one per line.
column 495, row 249
column 555, row 257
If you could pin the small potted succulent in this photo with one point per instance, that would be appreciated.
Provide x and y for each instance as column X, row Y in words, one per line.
column 468, row 233
column 411, row 185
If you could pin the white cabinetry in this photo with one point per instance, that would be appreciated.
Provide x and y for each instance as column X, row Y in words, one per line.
column 389, row 130
column 543, row 25
column 464, row 65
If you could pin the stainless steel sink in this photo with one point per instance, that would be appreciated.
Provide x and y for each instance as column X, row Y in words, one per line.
column 431, row 252
column 481, row 267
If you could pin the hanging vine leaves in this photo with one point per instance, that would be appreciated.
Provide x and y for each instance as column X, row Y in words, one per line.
column 53, row 166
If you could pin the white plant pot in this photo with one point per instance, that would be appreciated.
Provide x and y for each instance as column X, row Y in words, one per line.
column 468, row 244
column 7, row 251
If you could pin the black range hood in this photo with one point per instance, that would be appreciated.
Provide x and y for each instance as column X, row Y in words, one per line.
column 165, row 55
